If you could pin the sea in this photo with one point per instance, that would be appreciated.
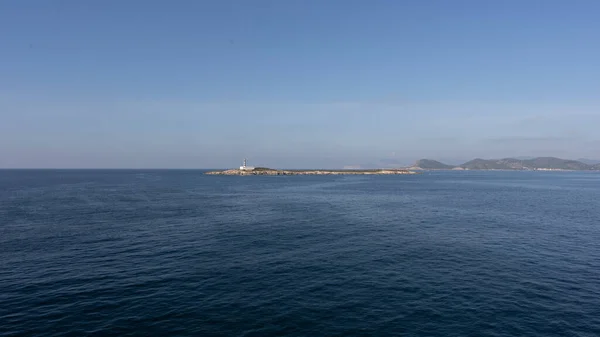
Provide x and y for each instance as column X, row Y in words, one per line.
column 181, row 253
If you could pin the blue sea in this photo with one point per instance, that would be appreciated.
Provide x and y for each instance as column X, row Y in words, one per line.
column 180, row 253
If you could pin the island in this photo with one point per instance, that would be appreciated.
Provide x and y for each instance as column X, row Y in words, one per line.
column 505, row 164
column 263, row 171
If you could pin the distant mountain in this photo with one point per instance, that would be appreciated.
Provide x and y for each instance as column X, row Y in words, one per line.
column 526, row 164
column 589, row 161
column 493, row 164
column 429, row 164
column 539, row 163
column 556, row 163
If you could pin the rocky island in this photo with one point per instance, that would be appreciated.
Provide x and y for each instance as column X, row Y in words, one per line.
column 272, row 172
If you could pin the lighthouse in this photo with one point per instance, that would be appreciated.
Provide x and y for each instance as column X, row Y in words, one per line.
column 246, row 168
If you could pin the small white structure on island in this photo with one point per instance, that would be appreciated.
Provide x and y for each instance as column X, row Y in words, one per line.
column 246, row 168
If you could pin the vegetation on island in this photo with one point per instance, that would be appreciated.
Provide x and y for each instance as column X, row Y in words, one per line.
column 263, row 169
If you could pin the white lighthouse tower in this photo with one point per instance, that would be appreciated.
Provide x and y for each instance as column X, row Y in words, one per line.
column 246, row 168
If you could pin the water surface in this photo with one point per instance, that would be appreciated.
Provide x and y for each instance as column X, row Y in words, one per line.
column 179, row 253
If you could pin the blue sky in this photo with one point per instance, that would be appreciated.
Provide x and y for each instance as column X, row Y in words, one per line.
column 203, row 84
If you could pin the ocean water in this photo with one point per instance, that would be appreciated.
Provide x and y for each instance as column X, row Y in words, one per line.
column 179, row 253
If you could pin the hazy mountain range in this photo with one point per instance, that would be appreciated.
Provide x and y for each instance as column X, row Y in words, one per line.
column 539, row 163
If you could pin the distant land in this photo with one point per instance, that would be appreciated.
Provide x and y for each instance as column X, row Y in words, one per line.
column 589, row 161
column 538, row 164
column 429, row 164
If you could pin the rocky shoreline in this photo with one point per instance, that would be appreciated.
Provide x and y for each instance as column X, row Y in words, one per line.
column 272, row 172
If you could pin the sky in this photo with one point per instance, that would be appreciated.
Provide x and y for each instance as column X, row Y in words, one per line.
column 295, row 83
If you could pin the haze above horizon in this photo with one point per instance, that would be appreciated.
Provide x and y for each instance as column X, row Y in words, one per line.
column 328, row 84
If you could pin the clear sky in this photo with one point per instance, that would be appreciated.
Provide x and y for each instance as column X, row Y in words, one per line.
column 296, row 83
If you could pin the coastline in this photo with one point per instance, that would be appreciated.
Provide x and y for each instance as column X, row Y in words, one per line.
column 273, row 172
